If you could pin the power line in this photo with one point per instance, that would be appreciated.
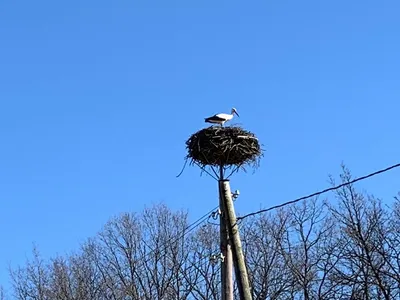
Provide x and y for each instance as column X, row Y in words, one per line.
column 320, row 192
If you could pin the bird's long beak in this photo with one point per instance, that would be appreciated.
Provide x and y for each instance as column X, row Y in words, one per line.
column 236, row 113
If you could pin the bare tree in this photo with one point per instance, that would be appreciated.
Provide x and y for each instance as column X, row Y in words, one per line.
column 344, row 249
column 32, row 281
column 363, row 226
column 290, row 253
column 141, row 257
column 391, row 253
column 202, row 274
column 306, row 247
column 269, row 275
column 2, row 293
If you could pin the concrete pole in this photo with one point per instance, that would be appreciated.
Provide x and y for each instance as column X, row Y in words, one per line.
column 234, row 238
column 226, row 250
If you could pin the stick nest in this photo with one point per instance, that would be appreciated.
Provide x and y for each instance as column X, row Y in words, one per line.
column 227, row 146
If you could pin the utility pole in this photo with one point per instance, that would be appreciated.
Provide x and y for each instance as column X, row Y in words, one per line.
column 228, row 216
column 226, row 148
column 226, row 250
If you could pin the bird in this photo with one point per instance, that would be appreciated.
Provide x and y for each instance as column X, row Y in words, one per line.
column 221, row 118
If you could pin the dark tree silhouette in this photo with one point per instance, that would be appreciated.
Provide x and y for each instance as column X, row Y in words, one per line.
column 344, row 247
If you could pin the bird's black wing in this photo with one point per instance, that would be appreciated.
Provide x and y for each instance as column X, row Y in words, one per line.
column 214, row 119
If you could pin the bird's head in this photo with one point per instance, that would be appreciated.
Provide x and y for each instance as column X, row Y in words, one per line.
column 234, row 111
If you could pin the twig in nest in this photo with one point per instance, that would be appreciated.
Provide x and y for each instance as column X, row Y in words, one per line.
column 183, row 168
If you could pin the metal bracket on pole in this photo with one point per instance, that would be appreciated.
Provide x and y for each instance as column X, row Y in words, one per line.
column 235, row 195
column 214, row 258
column 216, row 214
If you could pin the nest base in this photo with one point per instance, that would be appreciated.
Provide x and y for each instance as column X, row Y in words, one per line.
column 223, row 146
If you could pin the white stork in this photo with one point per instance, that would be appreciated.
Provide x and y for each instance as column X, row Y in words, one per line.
column 221, row 118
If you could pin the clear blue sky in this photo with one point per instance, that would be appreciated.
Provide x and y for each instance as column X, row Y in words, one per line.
column 98, row 97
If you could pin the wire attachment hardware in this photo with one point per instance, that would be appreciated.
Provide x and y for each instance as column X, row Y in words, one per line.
column 217, row 257
column 216, row 214
column 235, row 195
